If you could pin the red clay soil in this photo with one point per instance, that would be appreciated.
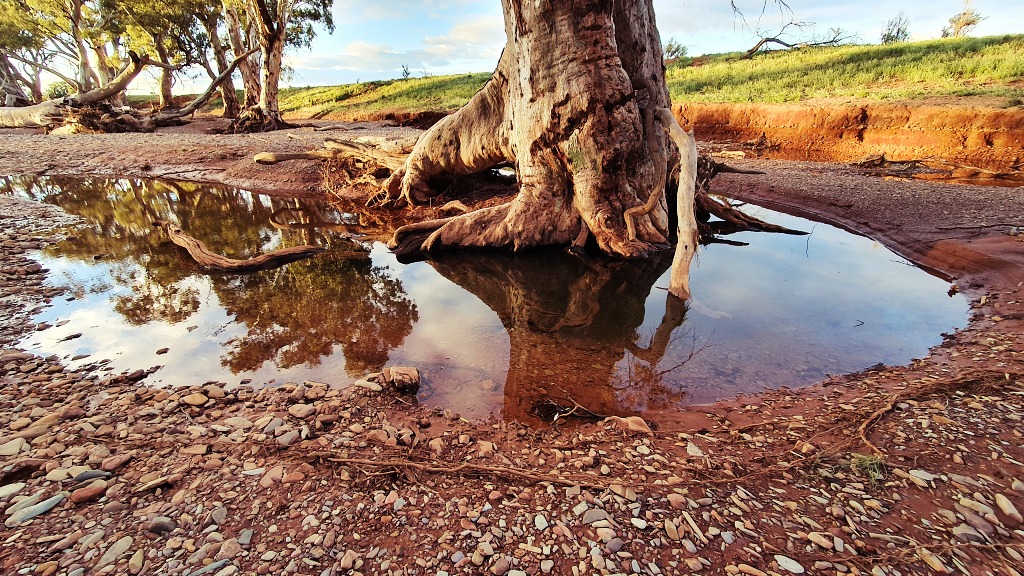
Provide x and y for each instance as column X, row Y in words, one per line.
column 984, row 137
column 897, row 470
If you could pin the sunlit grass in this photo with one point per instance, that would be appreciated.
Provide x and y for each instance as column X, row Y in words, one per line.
column 948, row 67
column 990, row 66
column 366, row 98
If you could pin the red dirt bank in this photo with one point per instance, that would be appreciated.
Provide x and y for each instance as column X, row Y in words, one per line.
column 991, row 138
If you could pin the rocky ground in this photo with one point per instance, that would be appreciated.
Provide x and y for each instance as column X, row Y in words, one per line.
column 897, row 470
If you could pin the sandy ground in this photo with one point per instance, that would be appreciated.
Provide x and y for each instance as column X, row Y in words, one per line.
column 898, row 470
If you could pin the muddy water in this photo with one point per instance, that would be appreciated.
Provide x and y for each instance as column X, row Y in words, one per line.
column 493, row 333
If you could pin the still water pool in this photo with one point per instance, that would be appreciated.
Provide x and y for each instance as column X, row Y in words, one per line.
column 493, row 333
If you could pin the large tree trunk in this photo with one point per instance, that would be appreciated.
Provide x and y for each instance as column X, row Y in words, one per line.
column 569, row 321
column 270, row 21
column 272, row 50
column 572, row 104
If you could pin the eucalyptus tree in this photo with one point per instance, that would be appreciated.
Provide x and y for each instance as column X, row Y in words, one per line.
column 51, row 36
column 277, row 24
column 171, row 30
column 21, row 57
column 572, row 105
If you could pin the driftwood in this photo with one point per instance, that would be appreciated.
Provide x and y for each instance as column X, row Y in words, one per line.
column 210, row 262
column 52, row 112
column 934, row 168
column 687, row 233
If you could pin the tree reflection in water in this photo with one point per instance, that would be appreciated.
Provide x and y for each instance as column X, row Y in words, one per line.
column 294, row 315
column 572, row 322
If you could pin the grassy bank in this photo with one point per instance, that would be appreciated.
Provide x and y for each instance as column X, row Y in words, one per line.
column 367, row 98
column 990, row 66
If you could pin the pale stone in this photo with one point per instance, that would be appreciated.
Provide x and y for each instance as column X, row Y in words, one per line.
column 195, row 399
column 302, row 411
column 788, row 564
column 13, row 447
column 115, row 551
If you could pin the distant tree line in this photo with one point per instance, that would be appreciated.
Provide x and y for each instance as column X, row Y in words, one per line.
column 84, row 43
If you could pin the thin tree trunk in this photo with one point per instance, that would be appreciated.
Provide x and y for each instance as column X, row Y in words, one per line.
column 165, row 118
column 166, row 73
column 572, row 103
column 227, row 87
column 13, row 82
column 248, row 69
column 106, row 73
column 88, row 79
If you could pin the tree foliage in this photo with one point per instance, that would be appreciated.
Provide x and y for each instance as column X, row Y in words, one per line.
column 962, row 23
column 896, row 30
column 85, row 42
column 673, row 50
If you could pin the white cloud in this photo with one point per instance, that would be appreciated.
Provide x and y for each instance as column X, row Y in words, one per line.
column 475, row 42
column 479, row 38
column 365, row 56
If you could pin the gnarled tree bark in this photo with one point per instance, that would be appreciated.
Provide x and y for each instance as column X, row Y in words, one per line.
column 571, row 105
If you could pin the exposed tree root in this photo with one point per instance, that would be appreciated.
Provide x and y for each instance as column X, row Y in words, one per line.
column 252, row 120
column 980, row 379
column 687, row 235
column 210, row 262
column 380, row 168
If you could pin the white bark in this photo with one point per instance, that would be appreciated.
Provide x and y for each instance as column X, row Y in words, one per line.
column 686, row 243
column 51, row 112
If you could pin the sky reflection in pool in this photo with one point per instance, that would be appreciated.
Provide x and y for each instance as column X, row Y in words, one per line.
column 492, row 332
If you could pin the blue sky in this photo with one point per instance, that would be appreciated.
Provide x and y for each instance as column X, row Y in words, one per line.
column 373, row 40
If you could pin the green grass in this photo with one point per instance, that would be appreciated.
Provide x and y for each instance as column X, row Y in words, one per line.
column 948, row 67
column 991, row 66
column 366, row 98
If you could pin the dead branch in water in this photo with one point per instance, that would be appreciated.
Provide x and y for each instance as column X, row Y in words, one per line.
column 211, row 262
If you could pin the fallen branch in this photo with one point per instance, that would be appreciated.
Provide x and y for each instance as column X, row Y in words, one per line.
column 52, row 112
column 267, row 158
column 210, row 262
column 163, row 118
